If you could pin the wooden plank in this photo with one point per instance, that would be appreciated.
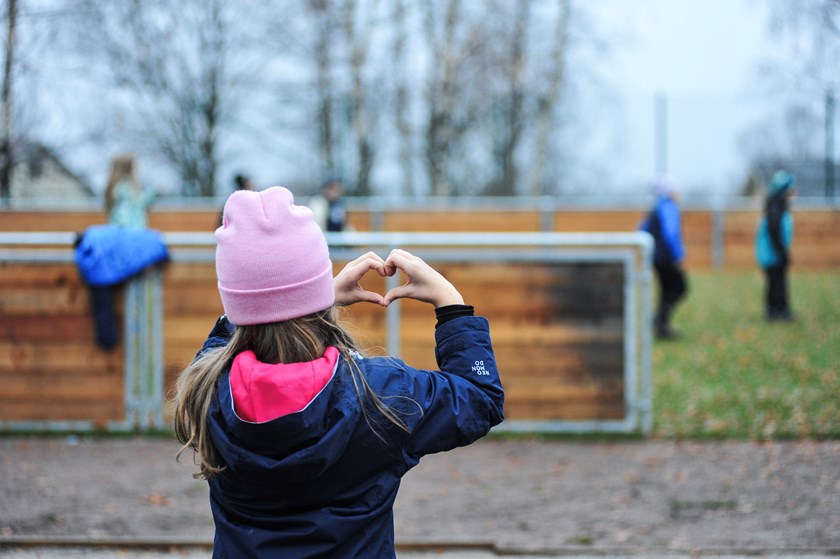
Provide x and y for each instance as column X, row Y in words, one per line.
column 554, row 338
column 34, row 220
column 559, row 394
column 194, row 299
column 564, row 410
column 460, row 221
column 63, row 387
column 39, row 410
column 57, row 356
column 811, row 225
column 194, row 220
column 189, row 328
column 359, row 220
column 596, row 221
column 591, row 362
column 178, row 273
column 43, row 301
column 28, row 328
column 536, row 274
column 41, row 275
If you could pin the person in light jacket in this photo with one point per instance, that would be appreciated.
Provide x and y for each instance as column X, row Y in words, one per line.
column 773, row 241
column 304, row 440
column 126, row 201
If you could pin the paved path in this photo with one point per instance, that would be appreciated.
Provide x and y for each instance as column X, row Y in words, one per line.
column 82, row 553
column 600, row 498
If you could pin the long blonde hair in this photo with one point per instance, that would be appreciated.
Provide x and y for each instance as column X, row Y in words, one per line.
column 123, row 168
column 291, row 341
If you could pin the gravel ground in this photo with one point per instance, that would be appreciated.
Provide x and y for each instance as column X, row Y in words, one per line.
column 723, row 498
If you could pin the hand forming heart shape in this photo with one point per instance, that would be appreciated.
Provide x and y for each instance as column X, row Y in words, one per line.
column 424, row 282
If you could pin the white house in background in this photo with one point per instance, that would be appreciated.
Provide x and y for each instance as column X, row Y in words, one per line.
column 39, row 174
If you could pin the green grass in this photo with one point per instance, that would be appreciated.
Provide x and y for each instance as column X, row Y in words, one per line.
column 734, row 375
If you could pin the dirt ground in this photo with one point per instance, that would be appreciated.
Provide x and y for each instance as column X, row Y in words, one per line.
column 517, row 494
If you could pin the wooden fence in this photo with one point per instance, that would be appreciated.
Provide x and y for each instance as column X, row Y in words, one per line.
column 713, row 238
column 558, row 327
column 561, row 329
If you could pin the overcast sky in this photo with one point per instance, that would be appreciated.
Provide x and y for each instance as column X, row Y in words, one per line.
column 705, row 56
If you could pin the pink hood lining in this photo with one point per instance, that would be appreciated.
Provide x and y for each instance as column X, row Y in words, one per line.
column 265, row 391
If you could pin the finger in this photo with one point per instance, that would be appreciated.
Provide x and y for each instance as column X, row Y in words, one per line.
column 371, row 256
column 371, row 297
column 401, row 292
column 359, row 267
column 400, row 259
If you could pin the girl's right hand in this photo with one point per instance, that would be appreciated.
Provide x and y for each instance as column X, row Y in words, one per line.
column 424, row 282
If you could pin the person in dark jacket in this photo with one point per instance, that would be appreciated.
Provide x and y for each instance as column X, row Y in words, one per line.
column 302, row 439
column 772, row 245
column 664, row 223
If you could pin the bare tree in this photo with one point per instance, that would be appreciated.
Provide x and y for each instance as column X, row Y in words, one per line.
column 401, row 94
column 171, row 60
column 358, row 36
column 6, row 155
column 510, row 133
column 325, row 30
column 547, row 101
column 813, row 31
column 440, row 93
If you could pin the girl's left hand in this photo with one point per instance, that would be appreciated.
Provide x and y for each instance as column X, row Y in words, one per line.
column 347, row 287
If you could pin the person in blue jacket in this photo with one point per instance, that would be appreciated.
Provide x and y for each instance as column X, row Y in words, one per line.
column 772, row 245
column 302, row 439
column 664, row 223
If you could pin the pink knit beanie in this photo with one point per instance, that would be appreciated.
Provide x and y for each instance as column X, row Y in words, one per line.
column 272, row 259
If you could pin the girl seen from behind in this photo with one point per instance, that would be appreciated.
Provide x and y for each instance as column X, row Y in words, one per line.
column 303, row 440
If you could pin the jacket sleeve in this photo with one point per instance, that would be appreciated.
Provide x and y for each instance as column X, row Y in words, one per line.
column 461, row 401
column 775, row 215
column 787, row 231
column 671, row 223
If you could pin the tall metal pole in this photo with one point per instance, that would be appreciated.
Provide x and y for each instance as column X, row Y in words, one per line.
column 829, row 146
column 661, row 134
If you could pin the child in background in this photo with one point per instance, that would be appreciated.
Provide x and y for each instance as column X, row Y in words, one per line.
column 126, row 202
column 664, row 223
column 302, row 439
column 772, row 245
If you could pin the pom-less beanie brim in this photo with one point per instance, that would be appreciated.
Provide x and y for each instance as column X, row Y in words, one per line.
column 285, row 302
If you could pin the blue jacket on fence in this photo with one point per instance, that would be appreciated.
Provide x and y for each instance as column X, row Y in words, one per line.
column 665, row 226
column 107, row 255
column 110, row 254
column 321, row 482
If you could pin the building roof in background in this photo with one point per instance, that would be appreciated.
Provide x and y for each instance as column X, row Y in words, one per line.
column 40, row 173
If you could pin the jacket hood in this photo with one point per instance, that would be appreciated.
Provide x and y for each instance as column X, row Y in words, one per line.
column 780, row 183
column 266, row 391
column 299, row 445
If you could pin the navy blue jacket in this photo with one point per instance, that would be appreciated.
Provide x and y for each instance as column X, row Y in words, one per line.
column 320, row 483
